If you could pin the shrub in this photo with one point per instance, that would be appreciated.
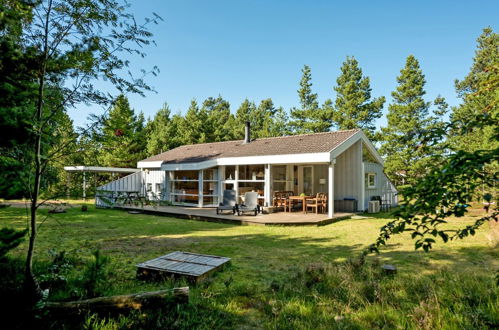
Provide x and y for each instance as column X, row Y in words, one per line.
column 95, row 275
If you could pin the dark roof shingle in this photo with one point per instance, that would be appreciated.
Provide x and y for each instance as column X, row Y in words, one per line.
column 282, row 145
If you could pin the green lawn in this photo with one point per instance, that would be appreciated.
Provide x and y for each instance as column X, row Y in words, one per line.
column 285, row 276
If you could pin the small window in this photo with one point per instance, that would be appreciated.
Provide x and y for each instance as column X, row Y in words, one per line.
column 158, row 187
column 149, row 187
column 371, row 180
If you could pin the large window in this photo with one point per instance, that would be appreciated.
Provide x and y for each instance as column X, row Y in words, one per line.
column 185, row 187
column 186, row 175
column 252, row 186
column 251, row 172
column 210, row 186
column 279, row 178
column 230, row 173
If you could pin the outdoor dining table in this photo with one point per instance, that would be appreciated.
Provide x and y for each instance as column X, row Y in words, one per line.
column 303, row 199
column 129, row 196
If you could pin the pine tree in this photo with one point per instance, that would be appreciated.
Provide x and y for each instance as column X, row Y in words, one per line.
column 194, row 128
column 122, row 136
column 158, row 139
column 353, row 106
column 247, row 111
column 485, row 65
column 407, row 118
column 310, row 117
column 220, row 122
column 272, row 121
column 266, row 120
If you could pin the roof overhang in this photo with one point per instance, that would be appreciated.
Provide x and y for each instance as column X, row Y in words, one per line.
column 359, row 136
column 100, row 169
column 149, row 164
column 309, row 158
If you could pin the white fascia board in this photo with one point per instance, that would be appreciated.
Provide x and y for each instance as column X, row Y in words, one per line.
column 309, row 158
column 150, row 164
column 351, row 141
column 99, row 169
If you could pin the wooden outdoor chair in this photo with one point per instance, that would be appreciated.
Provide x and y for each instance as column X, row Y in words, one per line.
column 286, row 201
column 318, row 203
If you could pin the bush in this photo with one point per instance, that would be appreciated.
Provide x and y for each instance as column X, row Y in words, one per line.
column 93, row 281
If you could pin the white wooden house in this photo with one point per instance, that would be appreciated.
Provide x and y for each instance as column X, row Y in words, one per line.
column 343, row 164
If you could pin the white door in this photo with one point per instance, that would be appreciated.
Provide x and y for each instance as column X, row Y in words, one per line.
column 306, row 180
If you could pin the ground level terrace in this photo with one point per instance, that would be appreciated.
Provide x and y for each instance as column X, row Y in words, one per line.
column 208, row 214
column 349, row 180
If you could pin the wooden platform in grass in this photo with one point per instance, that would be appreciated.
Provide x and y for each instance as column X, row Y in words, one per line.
column 272, row 219
column 181, row 264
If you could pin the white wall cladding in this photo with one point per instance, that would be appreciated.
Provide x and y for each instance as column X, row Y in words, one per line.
column 156, row 181
column 383, row 186
column 348, row 174
column 140, row 182
column 126, row 183
column 132, row 182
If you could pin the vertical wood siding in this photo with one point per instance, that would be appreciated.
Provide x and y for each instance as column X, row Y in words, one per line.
column 348, row 174
column 136, row 182
column 383, row 186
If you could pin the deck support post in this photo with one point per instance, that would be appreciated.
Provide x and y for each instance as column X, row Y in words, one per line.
column 330, row 183
column 268, row 199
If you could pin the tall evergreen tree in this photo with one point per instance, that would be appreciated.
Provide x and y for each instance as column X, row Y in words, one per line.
column 310, row 117
column 247, row 111
column 266, row 120
column 407, row 117
column 122, row 136
column 194, row 128
column 220, row 122
column 273, row 121
column 158, row 139
column 353, row 107
column 485, row 64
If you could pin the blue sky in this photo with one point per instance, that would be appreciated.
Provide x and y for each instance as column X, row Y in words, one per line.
column 256, row 49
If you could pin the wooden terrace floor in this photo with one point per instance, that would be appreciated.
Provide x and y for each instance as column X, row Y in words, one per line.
column 209, row 214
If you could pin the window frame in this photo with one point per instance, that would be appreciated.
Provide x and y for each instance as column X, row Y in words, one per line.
column 368, row 181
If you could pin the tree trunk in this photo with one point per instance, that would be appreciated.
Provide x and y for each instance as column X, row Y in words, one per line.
column 31, row 287
column 135, row 301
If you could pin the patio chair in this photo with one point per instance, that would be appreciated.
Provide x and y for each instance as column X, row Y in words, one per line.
column 250, row 204
column 287, row 203
column 318, row 203
column 279, row 198
column 228, row 202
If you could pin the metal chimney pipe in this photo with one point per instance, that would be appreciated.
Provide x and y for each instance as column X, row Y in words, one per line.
column 247, row 132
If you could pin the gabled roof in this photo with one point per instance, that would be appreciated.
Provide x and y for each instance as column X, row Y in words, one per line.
column 283, row 145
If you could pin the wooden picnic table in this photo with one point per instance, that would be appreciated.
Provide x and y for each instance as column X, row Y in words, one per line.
column 303, row 199
column 129, row 196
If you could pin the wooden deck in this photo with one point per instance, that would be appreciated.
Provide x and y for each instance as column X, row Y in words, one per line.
column 209, row 214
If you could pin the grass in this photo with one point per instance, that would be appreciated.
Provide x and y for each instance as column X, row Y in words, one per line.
column 283, row 277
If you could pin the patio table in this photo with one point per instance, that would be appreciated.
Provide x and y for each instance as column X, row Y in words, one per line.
column 303, row 199
column 129, row 196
